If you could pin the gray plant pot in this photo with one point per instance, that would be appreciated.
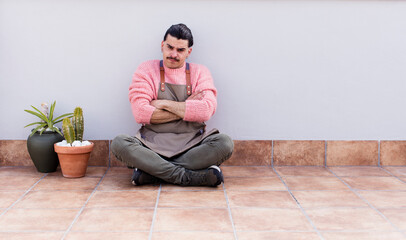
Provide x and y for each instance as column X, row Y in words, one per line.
column 41, row 150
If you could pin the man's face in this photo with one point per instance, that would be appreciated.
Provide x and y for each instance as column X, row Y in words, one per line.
column 175, row 51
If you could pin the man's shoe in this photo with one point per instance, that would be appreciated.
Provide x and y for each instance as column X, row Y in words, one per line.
column 211, row 177
column 215, row 171
column 140, row 178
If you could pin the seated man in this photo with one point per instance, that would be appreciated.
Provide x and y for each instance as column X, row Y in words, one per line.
column 172, row 99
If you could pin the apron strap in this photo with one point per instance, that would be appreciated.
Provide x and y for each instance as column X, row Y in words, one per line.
column 188, row 82
column 161, row 69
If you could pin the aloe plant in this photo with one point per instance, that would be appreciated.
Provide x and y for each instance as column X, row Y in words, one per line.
column 73, row 130
column 47, row 120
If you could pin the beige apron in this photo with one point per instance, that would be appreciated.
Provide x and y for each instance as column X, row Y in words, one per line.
column 172, row 138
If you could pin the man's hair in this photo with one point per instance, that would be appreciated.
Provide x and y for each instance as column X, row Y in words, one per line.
column 180, row 31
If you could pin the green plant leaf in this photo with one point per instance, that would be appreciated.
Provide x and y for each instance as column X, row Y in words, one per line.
column 37, row 128
column 57, row 130
column 33, row 124
column 42, row 117
column 51, row 111
column 40, row 113
column 40, row 133
column 60, row 118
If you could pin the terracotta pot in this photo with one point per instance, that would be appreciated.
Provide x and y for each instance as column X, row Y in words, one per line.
column 73, row 160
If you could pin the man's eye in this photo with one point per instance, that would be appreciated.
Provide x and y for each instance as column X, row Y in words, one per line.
column 181, row 50
column 170, row 47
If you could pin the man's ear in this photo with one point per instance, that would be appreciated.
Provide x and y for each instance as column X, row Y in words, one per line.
column 162, row 46
column 189, row 51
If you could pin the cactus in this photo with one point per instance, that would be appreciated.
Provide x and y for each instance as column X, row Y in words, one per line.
column 78, row 123
column 68, row 130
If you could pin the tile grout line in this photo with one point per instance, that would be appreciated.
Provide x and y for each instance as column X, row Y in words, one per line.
column 393, row 176
column 369, row 204
column 20, row 198
column 300, row 206
column 229, row 213
column 325, row 153
column 84, row 205
column 272, row 154
column 379, row 153
column 155, row 211
column 109, row 163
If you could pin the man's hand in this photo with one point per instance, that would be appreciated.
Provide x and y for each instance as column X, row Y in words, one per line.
column 159, row 103
column 175, row 108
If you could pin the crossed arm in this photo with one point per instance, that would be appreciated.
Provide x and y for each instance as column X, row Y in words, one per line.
column 168, row 111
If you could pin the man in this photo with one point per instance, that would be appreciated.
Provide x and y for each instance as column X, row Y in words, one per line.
column 172, row 99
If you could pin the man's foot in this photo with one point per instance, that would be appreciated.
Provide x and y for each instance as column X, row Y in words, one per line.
column 215, row 171
column 140, row 178
column 211, row 177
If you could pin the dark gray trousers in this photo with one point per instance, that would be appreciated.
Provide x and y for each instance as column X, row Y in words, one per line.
column 213, row 150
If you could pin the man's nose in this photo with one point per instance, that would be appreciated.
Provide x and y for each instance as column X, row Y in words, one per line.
column 173, row 53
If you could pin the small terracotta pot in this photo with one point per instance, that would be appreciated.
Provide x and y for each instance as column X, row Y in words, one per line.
column 73, row 160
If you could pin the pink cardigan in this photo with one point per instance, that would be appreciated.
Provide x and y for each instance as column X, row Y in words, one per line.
column 145, row 85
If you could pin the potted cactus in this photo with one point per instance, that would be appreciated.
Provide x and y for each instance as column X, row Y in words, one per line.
column 73, row 152
column 44, row 135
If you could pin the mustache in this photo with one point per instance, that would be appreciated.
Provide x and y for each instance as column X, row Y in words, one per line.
column 173, row 59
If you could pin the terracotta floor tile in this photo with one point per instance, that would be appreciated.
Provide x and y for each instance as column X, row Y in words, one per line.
column 8, row 198
column 397, row 171
column 209, row 199
column 103, row 199
column 118, row 219
column 173, row 187
column 385, row 199
column 19, row 183
column 20, row 171
column 37, row 219
column 375, row 183
column 121, row 183
column 192, row 235
column 277, row 235
column 32, row 236
column 265, row 199
column 314, row 183
column 54, row 199
column 356, row 171
column 61, row 183
column 397, row 216
column 192, row 220
column 319, row 199
column 349, row 219
column 119, row 172
column 260, row 184
column 266, row 219
column 363, row 235
column 248, row 171
column 107, row 235
column 304, row 171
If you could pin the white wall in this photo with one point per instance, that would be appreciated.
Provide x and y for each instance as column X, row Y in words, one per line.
column 284, row 69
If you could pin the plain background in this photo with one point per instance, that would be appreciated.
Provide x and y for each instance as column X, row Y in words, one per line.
column 330, row 70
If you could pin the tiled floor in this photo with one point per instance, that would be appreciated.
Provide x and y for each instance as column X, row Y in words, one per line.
column 254, row 203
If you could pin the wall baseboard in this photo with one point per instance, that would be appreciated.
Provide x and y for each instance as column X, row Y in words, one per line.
column 256, row 153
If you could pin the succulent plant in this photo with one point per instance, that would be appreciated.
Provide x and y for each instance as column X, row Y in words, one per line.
column 78, row 123
column 73, row 130
column 47, row 118
column 68, row 130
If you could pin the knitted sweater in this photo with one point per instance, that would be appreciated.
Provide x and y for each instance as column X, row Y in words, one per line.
column 145, row 86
